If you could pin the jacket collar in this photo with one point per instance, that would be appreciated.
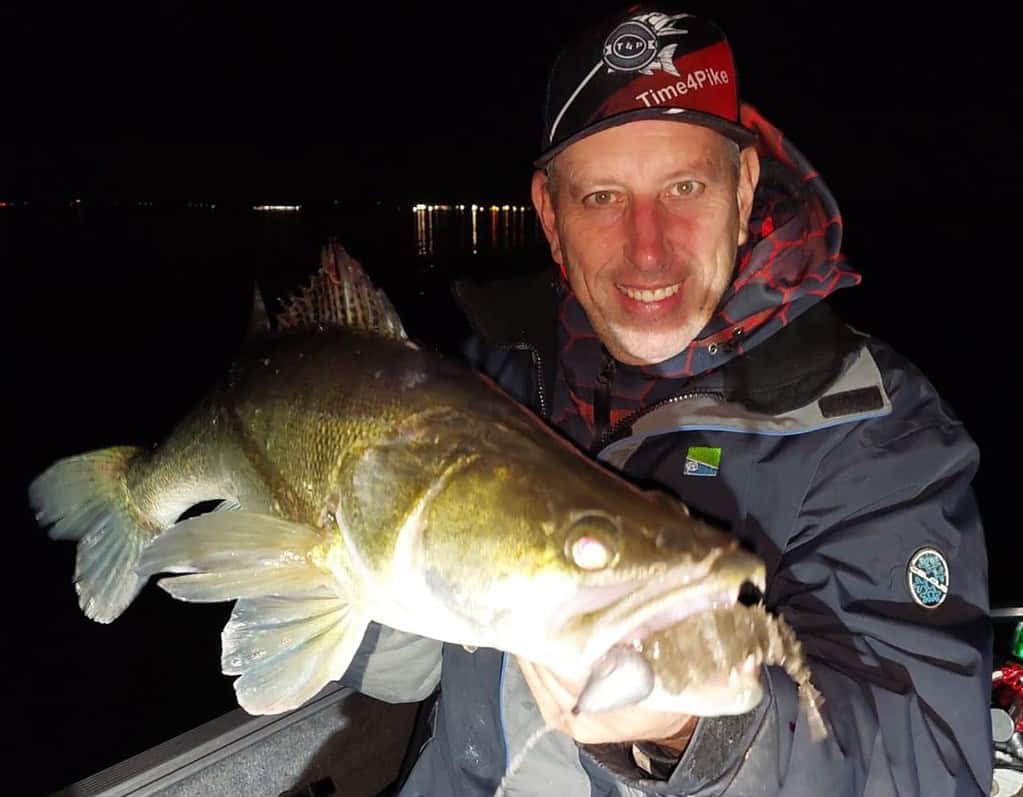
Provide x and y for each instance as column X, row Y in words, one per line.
column 791, row 368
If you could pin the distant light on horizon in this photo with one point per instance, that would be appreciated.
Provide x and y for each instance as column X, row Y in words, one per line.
column 474, row 207
column 277, row 208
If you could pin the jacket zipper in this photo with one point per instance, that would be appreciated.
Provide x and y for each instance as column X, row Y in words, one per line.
column 541, row 390
column 602, row 398
column 616, row 430
column 604, row 381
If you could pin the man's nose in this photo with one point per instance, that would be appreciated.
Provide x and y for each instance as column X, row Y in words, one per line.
column 645, row 235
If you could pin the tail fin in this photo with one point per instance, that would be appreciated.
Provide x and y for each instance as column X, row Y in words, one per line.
column 292, row 630
column 86, row 499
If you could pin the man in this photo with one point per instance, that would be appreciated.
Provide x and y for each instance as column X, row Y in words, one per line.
column 686, row 343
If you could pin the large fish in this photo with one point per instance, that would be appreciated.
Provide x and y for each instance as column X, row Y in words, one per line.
column 363, row 478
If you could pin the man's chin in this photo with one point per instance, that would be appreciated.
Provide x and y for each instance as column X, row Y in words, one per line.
column 644, row 348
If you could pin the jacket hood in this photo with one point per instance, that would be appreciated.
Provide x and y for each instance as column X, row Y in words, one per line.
column 793, row 256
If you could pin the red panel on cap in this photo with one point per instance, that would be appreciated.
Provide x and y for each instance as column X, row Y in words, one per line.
column 705, row 82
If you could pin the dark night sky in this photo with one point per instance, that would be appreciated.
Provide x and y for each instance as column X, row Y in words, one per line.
column 905, row 110
column 185, row 100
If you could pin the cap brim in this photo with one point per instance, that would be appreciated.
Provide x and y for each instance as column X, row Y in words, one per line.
column 742, row 136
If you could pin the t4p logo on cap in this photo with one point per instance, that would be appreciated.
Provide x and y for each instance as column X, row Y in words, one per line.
column 634, row 46
column 927, row 578
column 702, row 461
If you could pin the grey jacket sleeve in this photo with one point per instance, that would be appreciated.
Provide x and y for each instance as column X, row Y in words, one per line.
column 906, row 688
column 394, row 666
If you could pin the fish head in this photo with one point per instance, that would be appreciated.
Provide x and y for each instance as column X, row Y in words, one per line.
column 552, row 556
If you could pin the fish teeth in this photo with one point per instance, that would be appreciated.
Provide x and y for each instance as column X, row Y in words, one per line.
column 646, row 295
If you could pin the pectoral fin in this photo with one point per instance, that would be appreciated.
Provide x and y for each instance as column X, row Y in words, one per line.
column 291, row 631
column 287, row 649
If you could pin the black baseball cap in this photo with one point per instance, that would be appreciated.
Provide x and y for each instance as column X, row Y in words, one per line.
column 650, row 61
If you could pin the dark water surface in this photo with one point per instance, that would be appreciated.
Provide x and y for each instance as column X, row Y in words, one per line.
column 123, row 317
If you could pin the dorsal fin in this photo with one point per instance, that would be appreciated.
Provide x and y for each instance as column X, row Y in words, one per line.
column 341, row 294
column 259, row 320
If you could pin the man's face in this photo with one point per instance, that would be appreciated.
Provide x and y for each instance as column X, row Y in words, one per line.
column 646, row 218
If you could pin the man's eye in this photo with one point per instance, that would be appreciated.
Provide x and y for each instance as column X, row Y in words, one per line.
column 686, row 188
column 600, row 198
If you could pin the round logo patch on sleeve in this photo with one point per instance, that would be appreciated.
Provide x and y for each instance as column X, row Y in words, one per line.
column 927, row 578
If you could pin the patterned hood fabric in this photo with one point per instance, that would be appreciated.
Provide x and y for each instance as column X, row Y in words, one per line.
column 791, row 261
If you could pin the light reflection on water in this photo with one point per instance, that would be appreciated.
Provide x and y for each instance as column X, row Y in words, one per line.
column 436, row 230
column 441, row 228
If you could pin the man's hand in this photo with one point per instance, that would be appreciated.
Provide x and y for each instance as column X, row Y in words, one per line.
column 556, row 696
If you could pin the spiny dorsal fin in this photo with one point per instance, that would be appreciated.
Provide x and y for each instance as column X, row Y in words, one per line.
column 259, row 320
column 341, row 294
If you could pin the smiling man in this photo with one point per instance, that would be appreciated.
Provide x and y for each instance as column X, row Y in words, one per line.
column 649, row 214
column 684, row 338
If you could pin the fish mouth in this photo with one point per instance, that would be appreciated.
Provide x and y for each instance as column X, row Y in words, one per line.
column 662, row 602
column 625, row 676
column 609, row 601
column 620, row 673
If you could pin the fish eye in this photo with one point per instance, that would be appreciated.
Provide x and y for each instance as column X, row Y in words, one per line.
column 593, row 542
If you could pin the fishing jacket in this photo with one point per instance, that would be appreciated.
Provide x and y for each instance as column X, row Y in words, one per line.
column 831, row 456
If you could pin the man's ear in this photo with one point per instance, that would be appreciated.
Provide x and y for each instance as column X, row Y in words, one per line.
column 749, row 176
column 544, row 204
